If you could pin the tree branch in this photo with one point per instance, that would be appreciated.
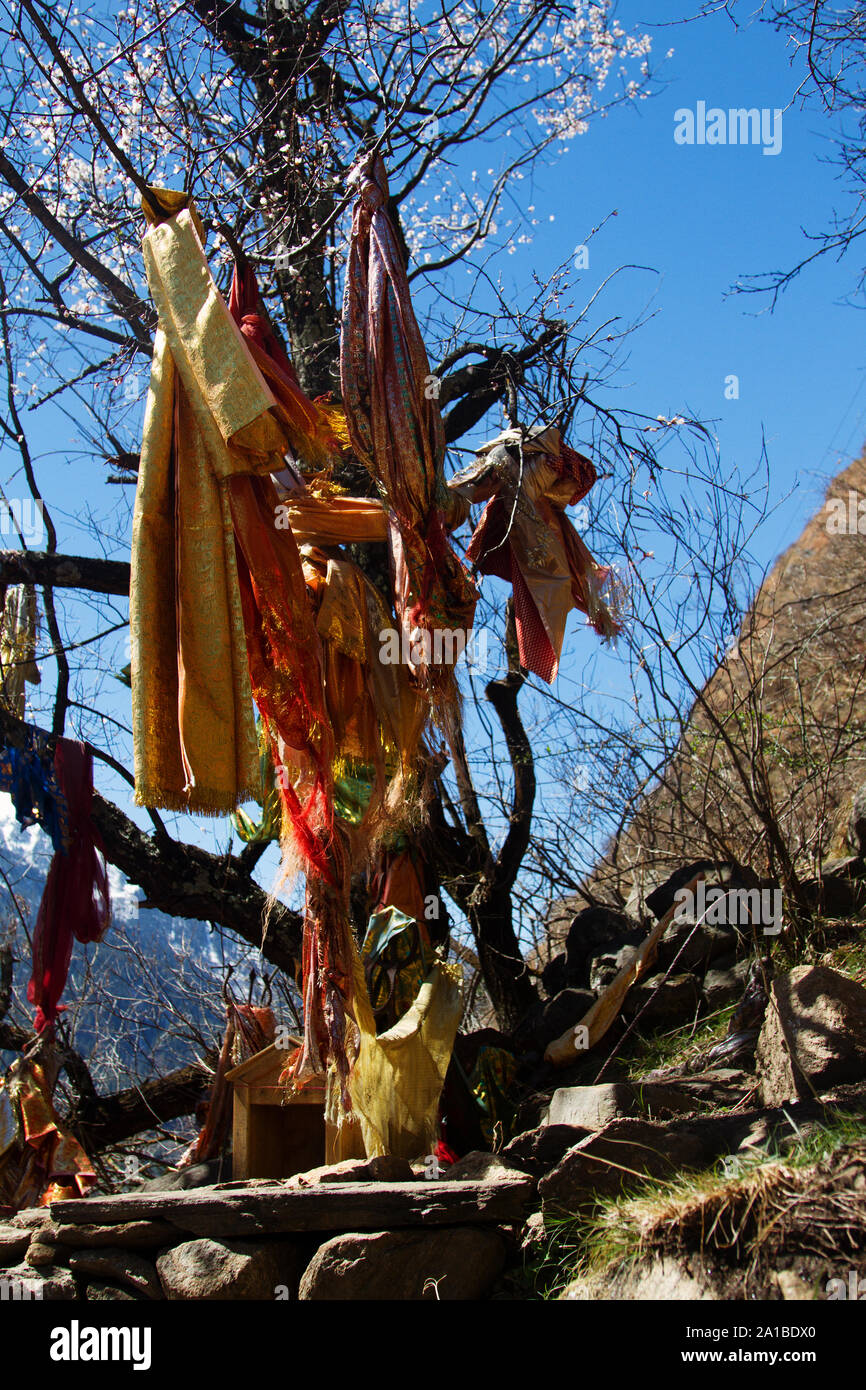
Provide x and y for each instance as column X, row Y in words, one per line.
column 502, row 695
column 187, row 881
column 101, row 1121
column 64, row 571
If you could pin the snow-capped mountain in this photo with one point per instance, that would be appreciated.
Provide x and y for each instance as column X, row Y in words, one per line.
column 144, row 999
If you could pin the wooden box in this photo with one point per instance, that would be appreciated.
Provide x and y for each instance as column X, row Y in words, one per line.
column 273, row 1137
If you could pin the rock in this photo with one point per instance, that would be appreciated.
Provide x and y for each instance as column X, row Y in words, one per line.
column 605, row 967
column 727, row 875
column 121, row 1266
column 13, row 1242
column 792, row 1287
column 39, row 1254
column 857, row 823
column 592, row 1107
column 666, row 1279
column 129, row 1235
column 483, row 1167
column 594, row 930
column 50, row 1285
column 222, row 1269
column 693, row 947
column 851, row 866
column 758, row 1136
column 533, row 1233
column 196, row 1175
column 538, row 1150
column 460, row 1262
column 251, row 1213
column 386, row 1168
column 563, row 1012
column 100, row 1292
column 617, row 1155
column 837, row 893
column 725, row 986
column 661, row 1001
column 813, row 1036
column 30, row 1217
column 554, row 976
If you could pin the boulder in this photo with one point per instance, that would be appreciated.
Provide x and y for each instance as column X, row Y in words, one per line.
column 13, row 1242
column 554, row 976
column 841, row 890
column 129, row 1235
column 49, row 1285
column 533, row 1233
column 728, row 875
column 605, row 967
column 725, row 984
column 450, row 1263
column 482, row 1167
column 385, row 1168
column 594, row 930
column 562, row 1013
column 223, row 1269
column 592, row 1107
column 40, row 1253
column 120, row 1266
column 29, row 1217
column 693, row 947
column 196, row 1175
column 549, row 1020
column 538, row 1150
column 849, row 866
column 663, row 1279
column 662, row 1002
column 618, row 1155
column 98, row 1291
column 813, row 1036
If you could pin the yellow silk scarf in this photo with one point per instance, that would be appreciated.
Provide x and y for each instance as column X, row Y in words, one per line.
column 209, row 415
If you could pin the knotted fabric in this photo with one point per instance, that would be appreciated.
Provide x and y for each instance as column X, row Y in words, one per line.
column 75, row 901
column 395, row 428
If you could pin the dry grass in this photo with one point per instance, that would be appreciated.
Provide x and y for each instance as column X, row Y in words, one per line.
column 744, row 1220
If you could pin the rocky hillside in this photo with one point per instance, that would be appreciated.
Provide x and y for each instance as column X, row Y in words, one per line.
column 775, row 747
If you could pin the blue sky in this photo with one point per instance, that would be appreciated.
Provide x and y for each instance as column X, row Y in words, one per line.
column 703, row 217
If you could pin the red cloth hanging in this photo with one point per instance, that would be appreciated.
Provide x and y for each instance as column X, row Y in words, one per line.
column 75, row 901
column 286, row 674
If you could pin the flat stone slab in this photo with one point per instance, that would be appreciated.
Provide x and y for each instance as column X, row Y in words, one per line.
column 277, row 1209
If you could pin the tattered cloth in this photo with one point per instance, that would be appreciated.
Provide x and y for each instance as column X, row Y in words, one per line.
column 396, row 429
column 209, row 416
column 218, row 607
column 524, row 537
column 75, row 900
column 18, row 628
column 39, row 1161
column 29, row 776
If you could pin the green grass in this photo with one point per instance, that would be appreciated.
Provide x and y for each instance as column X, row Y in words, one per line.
column 653, row 1051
